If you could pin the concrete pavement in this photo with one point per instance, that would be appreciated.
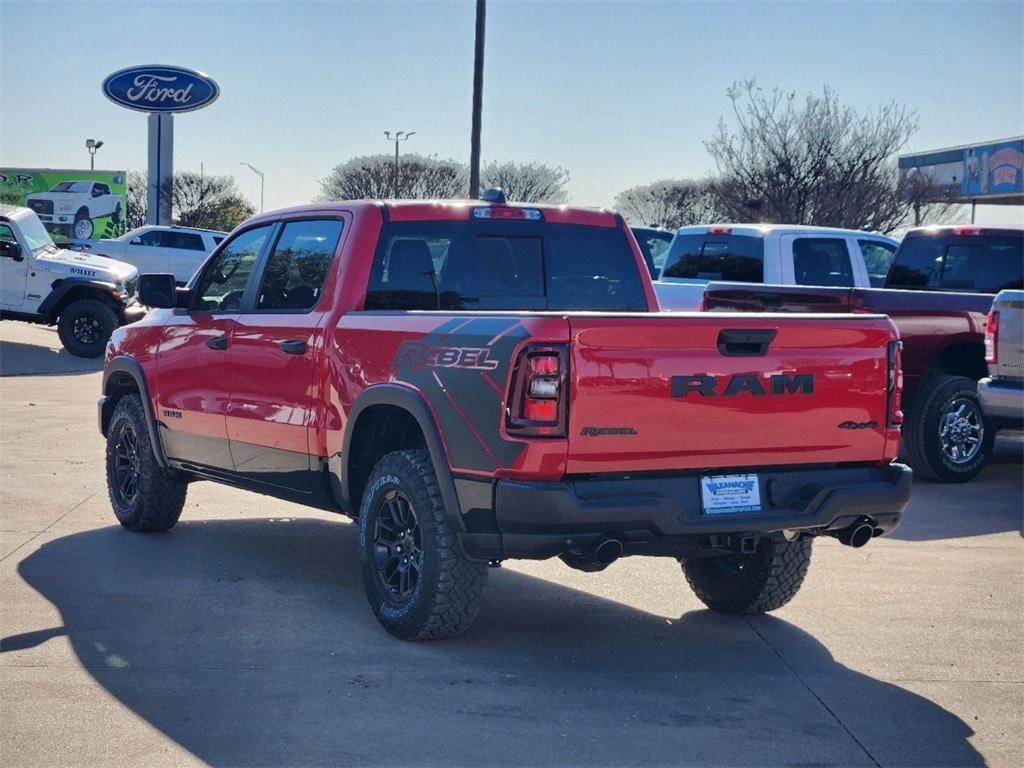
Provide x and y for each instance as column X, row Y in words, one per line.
column 242, row 637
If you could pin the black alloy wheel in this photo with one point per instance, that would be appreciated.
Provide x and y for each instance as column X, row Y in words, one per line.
column 126, row 465
column 87, row 329
column 398, row 547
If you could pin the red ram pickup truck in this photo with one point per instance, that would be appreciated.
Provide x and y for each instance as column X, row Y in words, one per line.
column 938, row 291
column 474, row 381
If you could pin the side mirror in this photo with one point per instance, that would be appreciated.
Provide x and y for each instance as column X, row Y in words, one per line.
column 158, row 290
column 135, row 241
column 9, row 250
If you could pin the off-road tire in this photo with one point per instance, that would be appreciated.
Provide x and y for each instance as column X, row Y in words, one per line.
column 756, row 583
column 449, row 586
column 159, row 496
column 98, row 321
column 922, row 444
column 116, row 216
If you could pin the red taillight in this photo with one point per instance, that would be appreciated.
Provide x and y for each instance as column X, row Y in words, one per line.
column 537, row 403
column 894, row 388
column 719, row 230
column 968, row 231
column 992, row 338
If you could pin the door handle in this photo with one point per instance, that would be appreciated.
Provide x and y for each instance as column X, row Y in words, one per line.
column 293, row 347
column 221, row 342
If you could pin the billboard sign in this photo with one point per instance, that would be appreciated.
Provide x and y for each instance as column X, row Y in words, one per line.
column 986, row 173
column 73, row 205
column 160, row 88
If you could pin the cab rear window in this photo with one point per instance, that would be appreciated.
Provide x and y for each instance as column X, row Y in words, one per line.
column 951, row 262
column 485, row 265
column 716, row 257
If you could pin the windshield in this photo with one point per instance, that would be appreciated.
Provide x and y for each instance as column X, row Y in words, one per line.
column 35, row 233
column 73, row 186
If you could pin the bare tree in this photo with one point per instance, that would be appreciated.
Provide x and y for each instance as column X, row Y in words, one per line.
column 211, row 202
column 372, row 177
column 527, row 182
column 136, row 202
column 815, row 161
column 671, row 203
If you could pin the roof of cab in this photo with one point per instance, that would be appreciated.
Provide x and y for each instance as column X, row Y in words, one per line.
column 446, row 210
column 763, row 230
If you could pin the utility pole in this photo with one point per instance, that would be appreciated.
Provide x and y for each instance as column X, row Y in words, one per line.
column 478, row 90
column 399, row 136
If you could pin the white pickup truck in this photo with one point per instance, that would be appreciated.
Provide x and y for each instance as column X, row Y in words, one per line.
column 780, row 254
column 72, row 206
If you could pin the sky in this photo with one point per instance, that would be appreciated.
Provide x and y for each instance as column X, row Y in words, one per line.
column 618, row 93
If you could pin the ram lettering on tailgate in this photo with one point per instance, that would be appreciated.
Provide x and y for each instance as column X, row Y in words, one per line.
column 710, row 386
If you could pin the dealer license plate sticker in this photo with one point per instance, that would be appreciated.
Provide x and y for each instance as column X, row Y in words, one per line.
column 730, row 494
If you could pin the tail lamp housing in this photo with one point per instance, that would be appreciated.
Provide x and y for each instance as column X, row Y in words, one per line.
column 894, row 384
column 538, row 400
column 992, row 338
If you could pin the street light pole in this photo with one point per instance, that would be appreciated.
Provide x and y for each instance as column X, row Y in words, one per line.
column 92, row 145
column 399, row 136
column 259, row 173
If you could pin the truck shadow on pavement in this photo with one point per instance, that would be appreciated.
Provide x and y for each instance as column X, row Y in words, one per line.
column 251, row 643
column 20, row 359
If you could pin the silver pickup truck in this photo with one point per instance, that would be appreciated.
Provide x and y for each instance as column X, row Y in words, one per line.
column 1002, row 391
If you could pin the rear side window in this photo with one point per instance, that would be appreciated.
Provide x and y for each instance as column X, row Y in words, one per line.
column 495, row 265
column 297, row 267
column 822, row 261
column 976, row 263
column 877, row 258
column 716, row 257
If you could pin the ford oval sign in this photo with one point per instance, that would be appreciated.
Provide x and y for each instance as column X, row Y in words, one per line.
column 160, row 88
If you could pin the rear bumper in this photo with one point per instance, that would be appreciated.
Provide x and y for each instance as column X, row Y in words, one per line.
column 539, row 520
column 1001, row 399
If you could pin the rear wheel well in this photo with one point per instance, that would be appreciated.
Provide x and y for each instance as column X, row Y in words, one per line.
column 964, row 359
column 379, row 430
column 118, row 385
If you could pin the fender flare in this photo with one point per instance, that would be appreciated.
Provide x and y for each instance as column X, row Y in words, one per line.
column 130, row 366
column 63, row 286
column 413, row 403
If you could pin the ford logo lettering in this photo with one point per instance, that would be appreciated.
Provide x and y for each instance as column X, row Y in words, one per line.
column 160, row 88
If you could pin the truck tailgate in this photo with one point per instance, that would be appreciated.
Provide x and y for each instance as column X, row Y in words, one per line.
column 696, row 391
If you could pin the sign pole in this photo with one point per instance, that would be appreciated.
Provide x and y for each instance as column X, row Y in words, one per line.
column 161, row 168
column 160, row 90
